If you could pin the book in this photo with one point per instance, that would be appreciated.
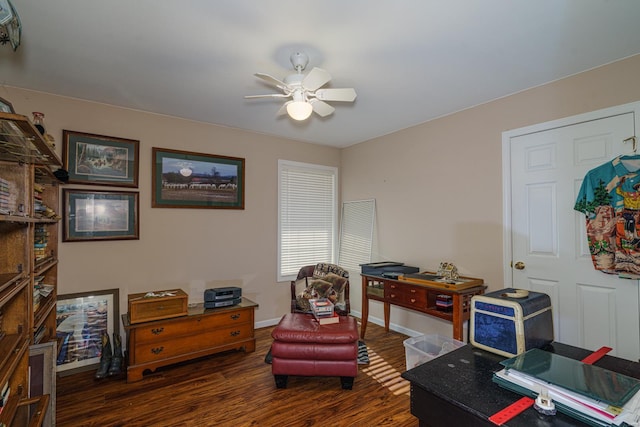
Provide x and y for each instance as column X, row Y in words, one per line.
column 321, row 307
column 335, row 318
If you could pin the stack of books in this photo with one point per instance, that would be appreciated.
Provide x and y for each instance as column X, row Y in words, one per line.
column 5, row 197
column 594, row 395
column 323, row 311
column 41, row 239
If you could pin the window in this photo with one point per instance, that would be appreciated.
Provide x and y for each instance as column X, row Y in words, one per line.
column 307, row 219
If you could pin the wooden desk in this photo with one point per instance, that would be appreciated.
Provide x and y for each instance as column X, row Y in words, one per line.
column 200, row 333
column 455, row 389
column 418, row 297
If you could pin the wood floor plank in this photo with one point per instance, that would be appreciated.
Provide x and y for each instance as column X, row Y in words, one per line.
column 237, row 389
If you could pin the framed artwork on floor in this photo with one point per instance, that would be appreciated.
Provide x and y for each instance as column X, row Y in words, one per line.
column 81, row 320
column 100, row 160
column 182, row 179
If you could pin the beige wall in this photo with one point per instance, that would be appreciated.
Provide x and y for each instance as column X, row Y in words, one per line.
column 438, row 189
column 178, row 247
column 438, row 186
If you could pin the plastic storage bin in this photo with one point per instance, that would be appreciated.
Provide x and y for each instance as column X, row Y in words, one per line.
column 424, row 348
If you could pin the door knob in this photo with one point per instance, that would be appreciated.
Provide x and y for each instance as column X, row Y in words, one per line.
column 519, row 265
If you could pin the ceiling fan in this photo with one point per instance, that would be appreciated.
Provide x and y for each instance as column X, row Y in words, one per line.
column 305, row 90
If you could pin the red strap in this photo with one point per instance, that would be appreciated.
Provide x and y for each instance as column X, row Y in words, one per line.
column 519, row 406
column 511, row 411
column 596, row 355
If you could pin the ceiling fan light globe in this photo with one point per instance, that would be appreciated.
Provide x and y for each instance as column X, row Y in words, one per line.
column 299, row 110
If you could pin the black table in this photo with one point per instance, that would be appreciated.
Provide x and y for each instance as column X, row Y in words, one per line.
column 455, row 389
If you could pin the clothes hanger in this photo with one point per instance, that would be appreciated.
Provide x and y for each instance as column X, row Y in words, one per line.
column 634, row 143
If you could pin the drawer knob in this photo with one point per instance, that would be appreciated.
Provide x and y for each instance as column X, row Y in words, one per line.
column 413, row 300
column 235, row 333
column 157, row 331
column 393, row 286
column 392, row 295
column 235, row 316
column 413, row 291
column 157, row 350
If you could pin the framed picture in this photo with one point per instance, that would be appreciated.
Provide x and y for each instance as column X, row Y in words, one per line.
column 5, row 106
column 81, row 320
column 100, row 160
column 100, row 215
column 42, row 377
column 182, row 179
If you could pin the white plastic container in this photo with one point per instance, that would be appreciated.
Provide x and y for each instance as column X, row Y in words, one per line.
column 424, row 348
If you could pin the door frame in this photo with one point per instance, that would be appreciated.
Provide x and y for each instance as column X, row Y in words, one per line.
column 506, row 167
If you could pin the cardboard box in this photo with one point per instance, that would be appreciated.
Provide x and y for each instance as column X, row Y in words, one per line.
column 424, row 348
column 156, row 305
column 508, row 322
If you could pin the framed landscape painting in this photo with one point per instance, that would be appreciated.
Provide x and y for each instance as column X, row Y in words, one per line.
column 100, row 215
column 81, row 320
column 183, row 179
column 100, row 160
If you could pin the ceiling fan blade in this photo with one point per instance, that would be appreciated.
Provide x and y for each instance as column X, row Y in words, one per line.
column 271, row 80
column 283, row 110
column 316, row 79
column 271, row 95
column 345, row 95
column 321, row 108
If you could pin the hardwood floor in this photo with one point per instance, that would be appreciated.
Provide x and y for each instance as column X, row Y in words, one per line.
column 237, row 389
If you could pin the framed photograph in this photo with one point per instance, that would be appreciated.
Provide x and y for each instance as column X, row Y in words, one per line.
column 100, row 215
column 81, row 320
column 100, row 160
column 42, row 377
column 5, row 106
column 182, row 179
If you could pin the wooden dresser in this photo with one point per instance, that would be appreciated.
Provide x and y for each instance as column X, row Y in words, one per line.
column 200, row 333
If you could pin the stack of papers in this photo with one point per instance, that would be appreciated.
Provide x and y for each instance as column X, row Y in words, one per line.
column 596, row 396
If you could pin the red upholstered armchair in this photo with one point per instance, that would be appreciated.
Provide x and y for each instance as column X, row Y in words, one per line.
column 322, row 280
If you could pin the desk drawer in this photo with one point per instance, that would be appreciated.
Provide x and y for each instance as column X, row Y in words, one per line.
column 409, row 295
column 193, row 325
column 164, row 349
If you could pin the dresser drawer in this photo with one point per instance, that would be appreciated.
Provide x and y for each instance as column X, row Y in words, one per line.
column 192, row 325
column 164, row 349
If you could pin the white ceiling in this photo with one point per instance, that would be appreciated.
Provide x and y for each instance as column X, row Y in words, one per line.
column 409, row 61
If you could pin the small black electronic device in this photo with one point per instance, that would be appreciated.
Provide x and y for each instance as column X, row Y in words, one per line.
column 222, row 297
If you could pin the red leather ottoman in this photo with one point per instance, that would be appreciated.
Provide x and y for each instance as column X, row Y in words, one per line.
column 303, row 347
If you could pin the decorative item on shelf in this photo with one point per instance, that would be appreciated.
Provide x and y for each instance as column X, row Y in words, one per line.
column 448, row 270
column 62, row 175
column 38, row 121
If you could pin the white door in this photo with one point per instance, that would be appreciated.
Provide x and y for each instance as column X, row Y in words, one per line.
column 548, row 239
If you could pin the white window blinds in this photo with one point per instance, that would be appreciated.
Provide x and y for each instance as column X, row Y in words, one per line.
column 356, row 233
column 306, row 216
